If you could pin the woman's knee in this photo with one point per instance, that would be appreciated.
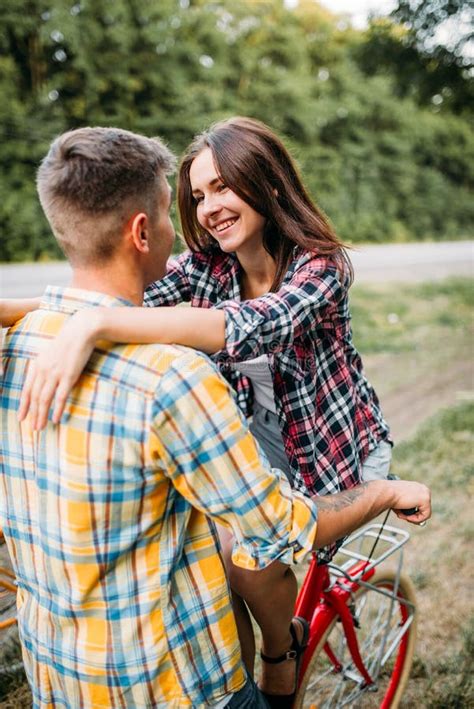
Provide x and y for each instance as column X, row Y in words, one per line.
column 246, row 582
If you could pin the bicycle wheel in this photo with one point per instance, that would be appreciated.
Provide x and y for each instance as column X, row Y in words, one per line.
column 379, row 620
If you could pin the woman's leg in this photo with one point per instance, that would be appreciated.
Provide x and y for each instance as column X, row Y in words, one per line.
column 270, row 595
column 242, row 617
column 245, row 631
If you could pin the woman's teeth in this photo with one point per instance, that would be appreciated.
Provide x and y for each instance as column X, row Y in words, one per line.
column 225, row 225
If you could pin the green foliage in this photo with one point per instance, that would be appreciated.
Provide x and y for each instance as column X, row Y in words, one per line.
column 425, row 18
column 381, row 165
column 410, row 48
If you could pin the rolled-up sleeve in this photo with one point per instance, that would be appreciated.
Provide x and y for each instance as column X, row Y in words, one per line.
column 174, row 288
column 271, row 323
column 296, row 538
column 214, row 462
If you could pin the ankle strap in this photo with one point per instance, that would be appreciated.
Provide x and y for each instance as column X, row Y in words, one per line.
column 289, row 655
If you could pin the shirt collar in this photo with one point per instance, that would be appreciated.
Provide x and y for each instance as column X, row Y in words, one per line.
column 69, row 300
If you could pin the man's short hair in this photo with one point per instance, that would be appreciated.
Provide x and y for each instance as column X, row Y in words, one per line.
column 90, row 183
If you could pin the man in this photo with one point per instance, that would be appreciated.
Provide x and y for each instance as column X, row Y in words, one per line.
column 122, row 595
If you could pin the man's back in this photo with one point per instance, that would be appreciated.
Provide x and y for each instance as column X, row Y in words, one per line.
column 120, row 586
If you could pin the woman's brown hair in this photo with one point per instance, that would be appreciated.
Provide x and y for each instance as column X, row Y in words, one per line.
column 253, row 162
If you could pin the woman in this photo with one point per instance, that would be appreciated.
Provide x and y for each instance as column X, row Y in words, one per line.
column 264, row 258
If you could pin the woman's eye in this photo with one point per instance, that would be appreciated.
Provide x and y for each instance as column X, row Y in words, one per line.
column 197, row 199
column 221, row 187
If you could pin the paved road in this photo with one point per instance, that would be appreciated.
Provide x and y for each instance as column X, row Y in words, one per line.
column 372, row 264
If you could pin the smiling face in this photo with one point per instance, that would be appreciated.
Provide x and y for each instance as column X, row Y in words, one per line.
column 233, row 223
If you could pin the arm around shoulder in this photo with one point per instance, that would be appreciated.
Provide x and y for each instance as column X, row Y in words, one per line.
column 13, row 309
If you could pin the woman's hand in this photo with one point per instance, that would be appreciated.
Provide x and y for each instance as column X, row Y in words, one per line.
column 57, row 367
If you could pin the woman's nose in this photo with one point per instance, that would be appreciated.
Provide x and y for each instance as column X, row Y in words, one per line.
column 210, row 205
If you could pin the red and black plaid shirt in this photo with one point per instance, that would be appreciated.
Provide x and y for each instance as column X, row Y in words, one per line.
column 329, row 414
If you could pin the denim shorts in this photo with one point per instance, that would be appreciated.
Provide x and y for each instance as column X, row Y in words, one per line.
column 377, row 464
column 266, row 430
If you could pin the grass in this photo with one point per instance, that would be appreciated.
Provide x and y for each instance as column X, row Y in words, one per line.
column 441, row 452
column 401, row 318
column 442, row 455
column 417, row 346
column 452, row 683
column 12, row 676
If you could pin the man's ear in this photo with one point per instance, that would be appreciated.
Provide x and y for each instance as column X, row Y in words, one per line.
column 139, row 232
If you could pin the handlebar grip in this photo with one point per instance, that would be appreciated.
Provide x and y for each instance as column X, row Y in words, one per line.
column 409, row 512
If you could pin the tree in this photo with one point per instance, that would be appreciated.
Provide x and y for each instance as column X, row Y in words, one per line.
column 369, row 116
column 426, row 49
column 425, row 19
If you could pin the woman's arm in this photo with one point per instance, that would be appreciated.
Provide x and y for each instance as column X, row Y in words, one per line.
column 266, row 324
column 13, row 309
column 243, row 330
column 201, row 328
column 56, row 369
column 272, row 322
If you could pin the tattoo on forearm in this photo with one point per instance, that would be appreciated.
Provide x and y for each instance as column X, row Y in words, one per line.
column 341, row 500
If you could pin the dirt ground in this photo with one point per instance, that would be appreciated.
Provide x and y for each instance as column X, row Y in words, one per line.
column 412, row 389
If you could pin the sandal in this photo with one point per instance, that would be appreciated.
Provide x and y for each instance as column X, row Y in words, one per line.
column 285, row 701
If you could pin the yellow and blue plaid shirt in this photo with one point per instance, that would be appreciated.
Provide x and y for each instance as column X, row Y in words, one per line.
column 122, row 595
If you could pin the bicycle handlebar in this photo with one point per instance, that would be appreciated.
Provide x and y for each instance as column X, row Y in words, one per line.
column 409, row 512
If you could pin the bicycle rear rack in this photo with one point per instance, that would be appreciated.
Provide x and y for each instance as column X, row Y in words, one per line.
column 389, row 540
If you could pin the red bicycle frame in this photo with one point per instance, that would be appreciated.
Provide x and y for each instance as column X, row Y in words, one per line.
column 331, row 603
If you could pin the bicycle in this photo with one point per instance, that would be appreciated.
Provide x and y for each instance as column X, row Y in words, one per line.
column 362, row 625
